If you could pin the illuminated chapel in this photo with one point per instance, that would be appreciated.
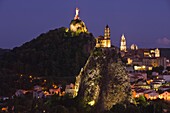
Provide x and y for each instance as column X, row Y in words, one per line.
column 104, row 41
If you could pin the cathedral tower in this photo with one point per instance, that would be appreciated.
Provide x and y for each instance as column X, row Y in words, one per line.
column 123, row 44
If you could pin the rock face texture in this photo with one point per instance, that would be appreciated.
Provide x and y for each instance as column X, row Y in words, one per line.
column 78, row 26
column 104, row 81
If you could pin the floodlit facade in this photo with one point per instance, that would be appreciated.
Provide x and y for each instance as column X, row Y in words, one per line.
column 165, row 96
column 104, row 41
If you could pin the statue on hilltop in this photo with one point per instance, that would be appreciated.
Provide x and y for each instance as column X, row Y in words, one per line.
column 77, row 14
column 77, row 25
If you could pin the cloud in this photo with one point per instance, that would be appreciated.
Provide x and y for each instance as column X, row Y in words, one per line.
column 163, row 41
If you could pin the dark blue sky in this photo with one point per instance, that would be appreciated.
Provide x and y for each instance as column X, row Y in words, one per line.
column 144, row 22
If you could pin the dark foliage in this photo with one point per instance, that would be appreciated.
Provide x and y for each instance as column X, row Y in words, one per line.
column 55, row 53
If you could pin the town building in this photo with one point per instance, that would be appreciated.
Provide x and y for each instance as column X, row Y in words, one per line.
column 143, row 59
column 165, row 95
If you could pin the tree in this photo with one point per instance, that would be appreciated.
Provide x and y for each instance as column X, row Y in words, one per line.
column 118, row 108
column 132, row 109
column 158, row 69
column 141, row 101
column 60, row 109
column 168, row 68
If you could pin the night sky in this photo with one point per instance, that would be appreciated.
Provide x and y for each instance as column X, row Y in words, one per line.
column 144, row 22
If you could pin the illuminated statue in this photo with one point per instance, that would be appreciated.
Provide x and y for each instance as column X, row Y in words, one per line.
column 78, row 25
column 77, row 14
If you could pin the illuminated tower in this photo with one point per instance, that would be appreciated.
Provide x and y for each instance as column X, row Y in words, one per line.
column 107, row 40
column 157, row 52
column 107, row 32
column 104, row 41
column 123, row 44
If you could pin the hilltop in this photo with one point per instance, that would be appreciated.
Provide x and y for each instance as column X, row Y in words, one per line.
column 3, row 51
column 58, row 52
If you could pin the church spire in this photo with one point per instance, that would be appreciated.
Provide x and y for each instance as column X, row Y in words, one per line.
column 123, row 43
column 77, row 14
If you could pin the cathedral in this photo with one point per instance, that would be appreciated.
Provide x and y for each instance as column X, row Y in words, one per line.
column 104, row 41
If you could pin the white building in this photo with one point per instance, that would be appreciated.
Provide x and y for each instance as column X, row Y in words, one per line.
column 123, row 44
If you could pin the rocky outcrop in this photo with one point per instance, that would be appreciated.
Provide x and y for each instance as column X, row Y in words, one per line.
column 78, row 26
column 104, row 81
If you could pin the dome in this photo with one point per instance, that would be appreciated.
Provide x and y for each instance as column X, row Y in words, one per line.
column 134, row 47
column 78, row 25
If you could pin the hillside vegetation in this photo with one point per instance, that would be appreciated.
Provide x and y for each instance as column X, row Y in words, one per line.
column 57, row 53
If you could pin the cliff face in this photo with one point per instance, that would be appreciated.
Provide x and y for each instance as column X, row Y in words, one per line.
column 56, row 53
column 104, row 81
